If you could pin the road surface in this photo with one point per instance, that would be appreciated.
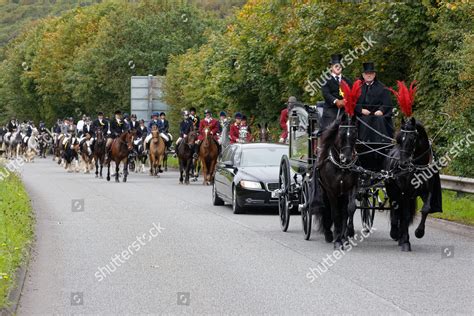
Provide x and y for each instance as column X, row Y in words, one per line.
column 152, row 246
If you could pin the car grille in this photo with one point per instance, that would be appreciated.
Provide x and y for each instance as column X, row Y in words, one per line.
column 272, row 186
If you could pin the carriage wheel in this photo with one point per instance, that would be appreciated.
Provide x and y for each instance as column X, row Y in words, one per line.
column 306, row 215
column 367, row 213
column 284, row 196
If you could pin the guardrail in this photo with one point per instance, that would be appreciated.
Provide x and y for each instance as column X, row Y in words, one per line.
column 458, row 184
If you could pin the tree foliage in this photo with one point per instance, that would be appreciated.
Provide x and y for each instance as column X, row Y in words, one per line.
column 82, row 61
column 272, row 49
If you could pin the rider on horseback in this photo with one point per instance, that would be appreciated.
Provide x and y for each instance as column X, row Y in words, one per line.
column 163, row 128
column 194, row 118
column 223, row 125
column 212, row 125
column 117, row 127
column 185, row 127
column 12, row 126
column 235, row 128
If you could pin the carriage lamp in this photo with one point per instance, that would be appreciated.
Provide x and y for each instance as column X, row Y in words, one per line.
column 294, row 121
column 250, row 184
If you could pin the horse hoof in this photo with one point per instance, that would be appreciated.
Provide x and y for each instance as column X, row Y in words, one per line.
column 96, row 176
column 180, row 182
column 117, row 180
column 394, row 233
column 187, row 182
column 328, row 236
column 108, row 178
column 419, row 233
column 338, row 245
column 125, row 180
column 406, row 247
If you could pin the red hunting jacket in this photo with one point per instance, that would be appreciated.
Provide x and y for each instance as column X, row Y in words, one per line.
column 234, row 133
column 284, row 123
column 213, row 126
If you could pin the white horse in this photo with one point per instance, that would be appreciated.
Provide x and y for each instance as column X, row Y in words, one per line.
column 32, row 146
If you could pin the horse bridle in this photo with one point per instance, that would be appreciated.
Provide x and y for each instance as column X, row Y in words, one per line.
column 406, row 151
column 351, row 163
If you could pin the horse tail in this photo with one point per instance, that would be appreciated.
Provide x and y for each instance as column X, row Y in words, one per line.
column 316, row 202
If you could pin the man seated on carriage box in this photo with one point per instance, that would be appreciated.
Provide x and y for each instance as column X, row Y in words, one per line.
column 334, row 101
column 374, row 108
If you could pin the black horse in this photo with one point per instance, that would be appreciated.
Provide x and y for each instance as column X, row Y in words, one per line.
column 337, row 178
column 411, row 155
column 185, row 151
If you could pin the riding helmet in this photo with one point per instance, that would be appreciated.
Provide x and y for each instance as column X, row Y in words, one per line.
column 238, row 115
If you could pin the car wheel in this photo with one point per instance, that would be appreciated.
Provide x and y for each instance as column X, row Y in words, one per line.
column 236, row 208
column 216, row 200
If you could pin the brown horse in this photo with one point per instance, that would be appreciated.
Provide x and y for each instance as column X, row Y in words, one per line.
column 208, row 153
column 157, row 152
column 119, row 152
column 99, row 152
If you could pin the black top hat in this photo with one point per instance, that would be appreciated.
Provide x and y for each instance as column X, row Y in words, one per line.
column 369, row 67
column 118, row 112
column 335, row 59
column 100, row 113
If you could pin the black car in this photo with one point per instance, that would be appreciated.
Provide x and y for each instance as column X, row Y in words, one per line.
column 246, row 174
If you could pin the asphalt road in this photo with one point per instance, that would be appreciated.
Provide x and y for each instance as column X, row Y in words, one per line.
column 201, row 259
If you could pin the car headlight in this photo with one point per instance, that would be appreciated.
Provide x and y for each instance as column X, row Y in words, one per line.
column 250, row 184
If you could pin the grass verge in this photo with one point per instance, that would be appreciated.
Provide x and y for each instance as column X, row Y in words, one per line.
column 457, row 207
column 16, row 230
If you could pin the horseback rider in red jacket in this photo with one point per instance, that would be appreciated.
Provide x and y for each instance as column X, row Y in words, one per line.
column 207, row 123
column 235, row 129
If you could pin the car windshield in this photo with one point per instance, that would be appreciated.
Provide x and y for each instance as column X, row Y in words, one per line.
column 259, row 157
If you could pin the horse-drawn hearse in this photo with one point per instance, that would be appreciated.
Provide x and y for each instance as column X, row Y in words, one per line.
column 324, row 175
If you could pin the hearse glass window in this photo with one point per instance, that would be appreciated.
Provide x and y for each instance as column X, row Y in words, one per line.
column 299, row 135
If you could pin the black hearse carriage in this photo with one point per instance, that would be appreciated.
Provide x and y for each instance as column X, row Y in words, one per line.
column 295, row 175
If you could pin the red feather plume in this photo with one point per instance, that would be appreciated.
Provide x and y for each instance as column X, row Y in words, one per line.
column 405, row 97
column 351, row 95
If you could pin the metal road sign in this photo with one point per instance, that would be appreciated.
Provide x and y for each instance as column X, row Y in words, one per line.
column 146, row 96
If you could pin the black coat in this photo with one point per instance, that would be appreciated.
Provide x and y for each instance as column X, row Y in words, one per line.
column 98, row 125
column 331, row 93
column 117, row 128
column 142, row 132
column 374, row 98
column 134, row 125
column 87, row 129
column 12, row 126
